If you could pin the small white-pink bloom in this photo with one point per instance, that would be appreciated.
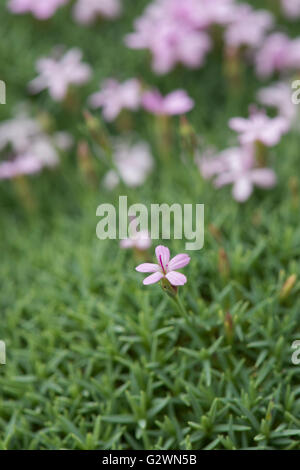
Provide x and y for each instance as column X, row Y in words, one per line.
column 165, row 268
column 260, row 128
column 57, row 75
column 115, row 96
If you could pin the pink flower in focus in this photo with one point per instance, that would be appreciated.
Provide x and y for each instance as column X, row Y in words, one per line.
column 86, row 11
column 140, row 240
column 278, row 95
column 260, row 128
column 41, row 9
column 58, row 74
column 237, row 166
column 291, row 8
column 176, row 102
column 165, row 268
column 248, row 27
column 115, row 96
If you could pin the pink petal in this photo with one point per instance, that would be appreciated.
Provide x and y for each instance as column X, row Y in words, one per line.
column 162, row 255
column 263, row 177
column 238, row 124
column 242, row 189
column 147, row 268
column 153, row 278
column 176, row 279
column 179, row 261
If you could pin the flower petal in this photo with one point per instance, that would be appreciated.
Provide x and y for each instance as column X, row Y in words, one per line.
column 179, row 261
column 176, row 279
column 147, row 268
column 242, row 189
column 155, row 277
column 162, row 255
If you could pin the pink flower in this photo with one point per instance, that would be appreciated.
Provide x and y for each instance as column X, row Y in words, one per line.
column 41, row 9
column 237, row 166
column 58, row 74
column 260, row 128
column 133, row 164
column 278, row 53
column 115, row 96
column 278, row 96
column 167, row 31
column 27, row 149
column 248, row 27
column 177, row 102
column 86, row 11
column 291, row 8
column 140, row 240
column 165, row 268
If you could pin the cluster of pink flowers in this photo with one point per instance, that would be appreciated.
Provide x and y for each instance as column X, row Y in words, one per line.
column 278, row 96
column 179, row 32
column 58, row 74
column 238, row 165
column 133, row 164
column 26, row 148
column 115, row 96
column 41, row 9
column 85, row 11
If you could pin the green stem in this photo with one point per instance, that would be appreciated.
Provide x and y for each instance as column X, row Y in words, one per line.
column 181, row 308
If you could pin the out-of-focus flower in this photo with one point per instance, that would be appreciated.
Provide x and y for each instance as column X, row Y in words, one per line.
column 260, row 128
column 176, row 102
column 278, row 95
column 140, row 240
column 133, row 163
column 165, row 268
column 26, row 148
column 58, row 74
column 167, row 29
column 237, row 166
column 248, row 27
column 278, row 53
column 291, row 8
column 87, row 11
column 41, row 9
column 115, row 96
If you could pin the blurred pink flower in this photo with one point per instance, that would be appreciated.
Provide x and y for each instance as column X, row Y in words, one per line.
column 41, row 9
column 176, row 102
column 139, row 240
column 115, row 96
column 165, row 268
column 278, row 53
column 133, row 164
column 291, row 8
column 260, row 128
column 26, row 148
column 167, row 29
column 58, row 74
column 248, row 27
column 237, row 166
column 278, row 95
column 87, row 11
